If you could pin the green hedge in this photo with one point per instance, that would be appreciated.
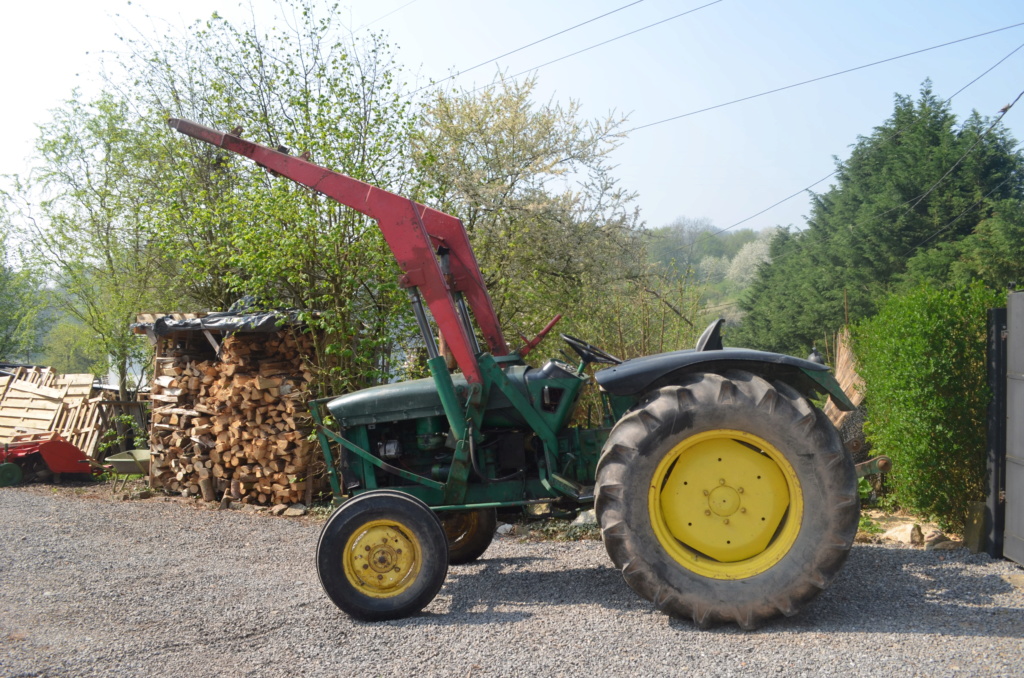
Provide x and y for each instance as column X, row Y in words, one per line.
column 922, row 358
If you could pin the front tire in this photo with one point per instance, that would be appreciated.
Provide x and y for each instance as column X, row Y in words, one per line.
column 382, row 555
column 727, row 498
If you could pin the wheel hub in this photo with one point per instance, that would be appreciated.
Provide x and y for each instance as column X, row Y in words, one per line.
column 723, row 498
column 381, row 558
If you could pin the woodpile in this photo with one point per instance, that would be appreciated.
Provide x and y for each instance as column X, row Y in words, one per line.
column 236, row 425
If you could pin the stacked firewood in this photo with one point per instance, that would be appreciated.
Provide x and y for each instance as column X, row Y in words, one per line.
column 236, row 426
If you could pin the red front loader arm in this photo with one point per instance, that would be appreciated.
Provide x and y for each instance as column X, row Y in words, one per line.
column 412, row 231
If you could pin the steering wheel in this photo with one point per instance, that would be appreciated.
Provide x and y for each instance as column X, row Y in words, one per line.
column 588, row 353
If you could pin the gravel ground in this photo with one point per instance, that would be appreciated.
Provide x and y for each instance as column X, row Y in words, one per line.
column 97, row 587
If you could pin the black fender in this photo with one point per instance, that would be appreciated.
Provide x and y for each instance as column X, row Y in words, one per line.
column 633, row 377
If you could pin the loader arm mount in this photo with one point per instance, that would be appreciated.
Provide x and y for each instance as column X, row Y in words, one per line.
column 414, row 232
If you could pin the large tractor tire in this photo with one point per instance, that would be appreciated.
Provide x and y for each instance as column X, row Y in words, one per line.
column 382, row 555
column 469, row 533
column 727, row 498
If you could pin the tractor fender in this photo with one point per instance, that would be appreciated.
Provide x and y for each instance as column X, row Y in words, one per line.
column 640, row 375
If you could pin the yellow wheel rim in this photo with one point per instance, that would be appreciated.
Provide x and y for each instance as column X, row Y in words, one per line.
column 382, row 558
column 725, row 504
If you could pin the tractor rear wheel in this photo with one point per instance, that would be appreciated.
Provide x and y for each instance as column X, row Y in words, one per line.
column 727, row 498
column 469, row 533
column 382, row 555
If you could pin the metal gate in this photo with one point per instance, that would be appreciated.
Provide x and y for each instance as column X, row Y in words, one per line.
column 1013, row 536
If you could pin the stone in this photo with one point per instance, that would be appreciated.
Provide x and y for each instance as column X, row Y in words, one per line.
column 295, row 511
column 947, row 545
column 909, row 533
column 505, row 529
column 934, row 537
column 588, row 517
column 278, row 509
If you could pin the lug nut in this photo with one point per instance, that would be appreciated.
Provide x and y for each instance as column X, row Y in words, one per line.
column 740, row 490
column 707, row 513
column 721, row 481
column 726, row 521
column 706, row 493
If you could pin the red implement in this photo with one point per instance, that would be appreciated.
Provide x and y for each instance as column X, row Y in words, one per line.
column 413, row 232
column 60, row 456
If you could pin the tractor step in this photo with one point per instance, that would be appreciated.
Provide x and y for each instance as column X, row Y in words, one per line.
column 581, row 493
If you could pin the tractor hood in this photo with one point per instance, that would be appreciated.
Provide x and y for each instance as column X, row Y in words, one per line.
column 419, row 398
column 649, row 372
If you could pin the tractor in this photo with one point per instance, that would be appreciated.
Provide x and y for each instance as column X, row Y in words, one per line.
column 723, row 494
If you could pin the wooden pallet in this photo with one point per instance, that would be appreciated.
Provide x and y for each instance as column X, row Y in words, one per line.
column 37, row 402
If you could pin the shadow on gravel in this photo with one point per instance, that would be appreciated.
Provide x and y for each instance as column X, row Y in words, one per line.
column 901, row 590
column 880, row 590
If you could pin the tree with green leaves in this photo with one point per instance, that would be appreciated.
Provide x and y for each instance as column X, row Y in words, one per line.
column 91, row 230
column 71, row 348
column 532, row 185
column 919, row 182
column 231, row 229
column 22, row 302
column 686, row 242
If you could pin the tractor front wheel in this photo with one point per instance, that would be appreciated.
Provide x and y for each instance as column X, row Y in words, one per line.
column 727, row 498
column 382, row 555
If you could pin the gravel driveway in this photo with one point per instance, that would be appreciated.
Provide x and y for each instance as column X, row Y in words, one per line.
column 96, row 587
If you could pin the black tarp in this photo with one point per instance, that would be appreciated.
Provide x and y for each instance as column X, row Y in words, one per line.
column 225, row 322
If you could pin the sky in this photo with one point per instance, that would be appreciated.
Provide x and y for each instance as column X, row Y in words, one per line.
column 725, row 164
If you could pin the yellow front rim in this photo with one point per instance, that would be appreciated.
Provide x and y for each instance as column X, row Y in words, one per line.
column 725, row 504
column 382, row 558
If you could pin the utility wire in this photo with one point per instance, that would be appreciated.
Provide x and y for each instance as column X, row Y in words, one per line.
column 892, row 136
column 381, row 18
column 823, row 77
column 1002, row 112
column 945, row 227
column 520, row 49
column 618, row 37
column 958, row 217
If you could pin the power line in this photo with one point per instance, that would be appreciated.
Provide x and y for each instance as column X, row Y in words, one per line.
column 987, row 71
column 381, row 18
column 618, row 37
column 958, row 217
column 889, row 138
column 918, row 199
column 1002, row 113
column 823, row 77
column 520, row 49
